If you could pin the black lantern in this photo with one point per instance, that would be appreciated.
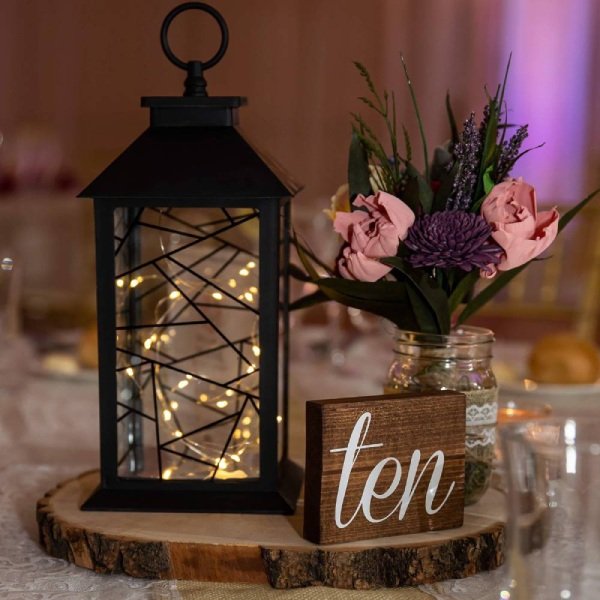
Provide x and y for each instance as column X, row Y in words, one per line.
column 192, row 250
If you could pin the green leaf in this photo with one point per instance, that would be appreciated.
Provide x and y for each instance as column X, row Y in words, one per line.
column 426, row 319
column 388, row 299
column 568, row 216
column 417, row 192
column 305, row 253
column 309, row 300
column 407, row 144
column 452, row 120
column 503, row 88
column 418, row 115
column 442, row 194
column 462, row 289
column 305, row 260
column 488, row 183
column 428, row 289
column 358, row 168
column 488, row 293
column 297, row 273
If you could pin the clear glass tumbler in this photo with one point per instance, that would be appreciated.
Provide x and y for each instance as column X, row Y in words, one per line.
column 553, row 477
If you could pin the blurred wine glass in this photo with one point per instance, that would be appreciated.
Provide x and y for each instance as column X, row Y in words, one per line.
column 15, row 350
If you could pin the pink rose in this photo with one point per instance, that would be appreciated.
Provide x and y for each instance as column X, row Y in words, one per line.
column 371, row 234
column 517, row 227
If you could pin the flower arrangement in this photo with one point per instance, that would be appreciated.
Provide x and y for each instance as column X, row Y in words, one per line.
column 415, row 245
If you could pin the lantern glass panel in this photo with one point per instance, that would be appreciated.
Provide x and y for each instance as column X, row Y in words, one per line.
column 187, row 298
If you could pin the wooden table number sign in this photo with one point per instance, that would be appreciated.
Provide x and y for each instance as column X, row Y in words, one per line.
column 384, row 466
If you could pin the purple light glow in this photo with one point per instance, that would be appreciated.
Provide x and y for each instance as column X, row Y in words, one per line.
column 549, row 87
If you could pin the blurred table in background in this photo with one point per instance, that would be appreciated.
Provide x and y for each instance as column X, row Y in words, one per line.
column 50, row 237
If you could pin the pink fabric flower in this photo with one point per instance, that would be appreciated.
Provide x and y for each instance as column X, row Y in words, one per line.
column 517, row 227
column 371, row 234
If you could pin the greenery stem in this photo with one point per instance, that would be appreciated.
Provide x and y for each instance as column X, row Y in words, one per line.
column 418, row 115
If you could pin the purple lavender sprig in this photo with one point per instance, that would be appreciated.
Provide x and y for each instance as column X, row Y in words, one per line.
column 468, row 154
column 452, row 239
column 485, row 120
column 509, row 152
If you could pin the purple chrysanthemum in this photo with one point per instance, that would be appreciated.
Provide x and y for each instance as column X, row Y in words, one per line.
column 452, row 239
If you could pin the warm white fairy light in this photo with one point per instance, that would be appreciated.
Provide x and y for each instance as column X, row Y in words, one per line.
column 279, row 418
column 129, row 371
column 120, row 283
column 220, row 398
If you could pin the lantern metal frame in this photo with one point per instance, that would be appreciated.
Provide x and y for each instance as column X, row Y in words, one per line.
column 192, row 156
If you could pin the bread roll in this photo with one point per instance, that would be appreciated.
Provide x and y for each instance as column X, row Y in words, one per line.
column 564, row 358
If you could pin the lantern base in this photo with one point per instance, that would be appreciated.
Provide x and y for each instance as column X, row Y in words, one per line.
column 282, row 501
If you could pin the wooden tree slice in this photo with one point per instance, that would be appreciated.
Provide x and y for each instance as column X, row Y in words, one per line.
column 260, row 548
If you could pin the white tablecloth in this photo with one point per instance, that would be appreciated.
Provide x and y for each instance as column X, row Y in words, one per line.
column 48, row 433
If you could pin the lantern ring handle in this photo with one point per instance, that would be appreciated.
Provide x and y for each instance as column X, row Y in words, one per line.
column 164, row 31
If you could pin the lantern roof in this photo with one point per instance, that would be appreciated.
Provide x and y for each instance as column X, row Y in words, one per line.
column 210, row 161
column 192, row 149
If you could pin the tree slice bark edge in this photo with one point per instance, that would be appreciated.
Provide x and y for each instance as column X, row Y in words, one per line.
column 391, row 566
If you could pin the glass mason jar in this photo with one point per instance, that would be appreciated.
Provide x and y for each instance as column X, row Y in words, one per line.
column 459, row 361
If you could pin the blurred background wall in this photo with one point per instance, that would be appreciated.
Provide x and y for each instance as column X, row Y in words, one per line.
column 72, row 72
